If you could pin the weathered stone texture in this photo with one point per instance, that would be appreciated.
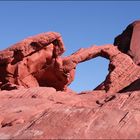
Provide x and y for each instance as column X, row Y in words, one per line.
column 40, row 105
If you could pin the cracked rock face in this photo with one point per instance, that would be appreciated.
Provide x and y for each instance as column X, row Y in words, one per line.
column 42, row 112
column 40, row 104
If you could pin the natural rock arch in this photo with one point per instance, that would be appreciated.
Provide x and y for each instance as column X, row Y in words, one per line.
column 41, row 64
column 121, row 67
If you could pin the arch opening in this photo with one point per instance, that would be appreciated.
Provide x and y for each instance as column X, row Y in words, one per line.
column 90, row 74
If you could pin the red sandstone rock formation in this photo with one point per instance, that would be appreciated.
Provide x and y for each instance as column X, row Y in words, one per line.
column 34, row 112
column 129, row 42
column 41, row 112
column 122, row 70
column 36, row 61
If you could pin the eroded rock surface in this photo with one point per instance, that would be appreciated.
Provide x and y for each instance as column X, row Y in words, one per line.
column 41, row 106
column 42, row 112
column 36, row 61
column 128, row 42
column 122, row 70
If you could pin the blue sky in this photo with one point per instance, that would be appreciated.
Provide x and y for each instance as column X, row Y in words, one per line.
column 81, row 23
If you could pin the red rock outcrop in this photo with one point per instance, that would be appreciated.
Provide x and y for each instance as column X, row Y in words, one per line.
column 43, row 113
column 39, row 110
column 128, row 42
column 122, row 70
column 36, row 61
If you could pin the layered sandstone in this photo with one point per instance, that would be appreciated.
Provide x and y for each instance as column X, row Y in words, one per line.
column 42, row 112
